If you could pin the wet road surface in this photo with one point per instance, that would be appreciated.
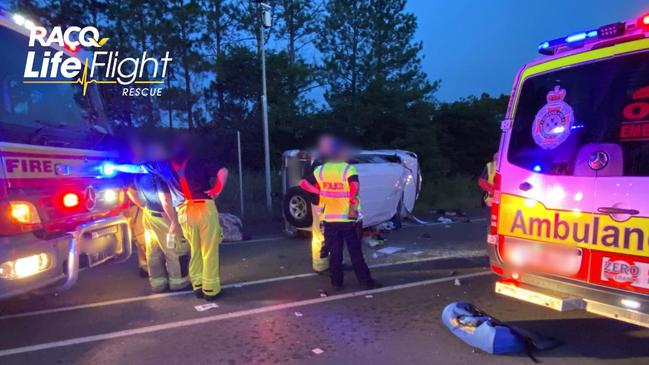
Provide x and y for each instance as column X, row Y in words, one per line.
column 275, row 310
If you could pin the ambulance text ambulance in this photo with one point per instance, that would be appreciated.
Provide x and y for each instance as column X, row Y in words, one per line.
column 569, row 226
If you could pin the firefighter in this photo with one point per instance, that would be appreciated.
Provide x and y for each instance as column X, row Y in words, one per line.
column 134, row 214
column 338, row 185
column 167, row 262
column 192, row 201
column 486, row 181
column 319, row 252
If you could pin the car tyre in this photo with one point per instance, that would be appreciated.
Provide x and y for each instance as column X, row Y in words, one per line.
column 297, row 207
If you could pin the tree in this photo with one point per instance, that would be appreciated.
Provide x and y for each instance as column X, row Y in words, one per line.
column 375, row 87
column 187, row 23
column 219, row 29
column 472, row 120
column 298, row 27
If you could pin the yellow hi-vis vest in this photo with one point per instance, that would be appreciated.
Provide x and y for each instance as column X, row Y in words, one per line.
column 334, row 190
column 491, row 174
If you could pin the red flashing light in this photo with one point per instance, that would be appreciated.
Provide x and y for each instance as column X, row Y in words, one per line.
column 516, row 276
column 72, row 48
column 70, row 200
column 643, row 21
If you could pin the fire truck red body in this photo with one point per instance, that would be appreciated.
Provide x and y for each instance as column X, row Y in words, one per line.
column 58, row 212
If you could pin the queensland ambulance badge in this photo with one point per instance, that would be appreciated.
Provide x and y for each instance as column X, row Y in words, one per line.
column 553, row 121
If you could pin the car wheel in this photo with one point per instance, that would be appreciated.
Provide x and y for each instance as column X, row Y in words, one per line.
column 297, row 207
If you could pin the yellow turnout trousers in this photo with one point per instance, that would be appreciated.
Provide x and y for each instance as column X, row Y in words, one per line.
column 164, row 264
column 134, row 214
column 199, row 220
column 319, row 259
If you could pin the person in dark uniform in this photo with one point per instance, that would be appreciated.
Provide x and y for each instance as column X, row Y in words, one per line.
column 191, row 200
column 319, row 252
column 338, row 185
column 167, row 262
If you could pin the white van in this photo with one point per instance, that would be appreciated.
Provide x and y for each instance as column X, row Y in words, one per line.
column 569, row 228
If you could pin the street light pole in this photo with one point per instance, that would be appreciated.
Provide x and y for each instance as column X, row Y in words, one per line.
column 264, row 13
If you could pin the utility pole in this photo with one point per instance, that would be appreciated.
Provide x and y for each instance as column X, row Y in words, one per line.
column 265, row 22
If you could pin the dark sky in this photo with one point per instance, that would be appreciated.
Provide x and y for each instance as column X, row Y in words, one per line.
column 477, row 46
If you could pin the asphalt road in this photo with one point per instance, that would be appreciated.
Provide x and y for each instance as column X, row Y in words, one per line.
column 274, row 310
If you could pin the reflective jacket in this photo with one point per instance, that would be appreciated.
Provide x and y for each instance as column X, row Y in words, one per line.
column 491, row 174
column 332, row 177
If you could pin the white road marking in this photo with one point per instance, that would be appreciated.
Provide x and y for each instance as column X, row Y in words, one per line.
column 274, row 238
column 220, row 317
column 428, row 224
column 234, row 285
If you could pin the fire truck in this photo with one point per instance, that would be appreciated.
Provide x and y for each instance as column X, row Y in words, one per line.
column 60, row 211
column 569, row 226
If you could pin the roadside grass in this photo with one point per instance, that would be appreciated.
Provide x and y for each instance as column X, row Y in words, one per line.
column 254, row 197
column 454, row 192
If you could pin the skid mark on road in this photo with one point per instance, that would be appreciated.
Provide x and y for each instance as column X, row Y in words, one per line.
column 470, row 254
column 220, row 317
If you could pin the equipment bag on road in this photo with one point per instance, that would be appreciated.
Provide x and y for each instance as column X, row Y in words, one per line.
column 482, row 331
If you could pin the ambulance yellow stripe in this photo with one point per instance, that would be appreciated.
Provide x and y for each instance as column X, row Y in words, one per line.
column 527, row 219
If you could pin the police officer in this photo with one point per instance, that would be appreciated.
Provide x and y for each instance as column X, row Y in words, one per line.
column 486, row 181
column 188, row 178
column 319, row 252
column 339, row 186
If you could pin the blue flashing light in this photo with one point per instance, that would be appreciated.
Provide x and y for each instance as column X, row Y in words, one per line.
column 108, row 169
column 578, row 37
column 592, row 34
column 544, row 45
column 537, row 168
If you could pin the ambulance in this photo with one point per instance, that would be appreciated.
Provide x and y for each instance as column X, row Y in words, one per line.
column 60, row 209
column 569, row 227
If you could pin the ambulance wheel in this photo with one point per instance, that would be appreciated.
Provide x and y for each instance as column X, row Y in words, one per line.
column 297, row 207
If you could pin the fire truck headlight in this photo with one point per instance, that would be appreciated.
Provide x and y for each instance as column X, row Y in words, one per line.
column 24, row 212
column 24, row 266
column 110, row 196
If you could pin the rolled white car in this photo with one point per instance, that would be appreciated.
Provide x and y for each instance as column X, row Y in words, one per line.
column 390, row 183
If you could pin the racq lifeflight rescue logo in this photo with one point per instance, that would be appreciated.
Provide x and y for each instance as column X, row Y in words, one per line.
column 48, row 66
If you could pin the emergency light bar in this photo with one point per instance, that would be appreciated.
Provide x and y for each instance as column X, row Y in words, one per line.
column 608, row 31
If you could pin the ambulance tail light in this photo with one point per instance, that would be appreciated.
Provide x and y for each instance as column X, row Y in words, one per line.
column 492, row 238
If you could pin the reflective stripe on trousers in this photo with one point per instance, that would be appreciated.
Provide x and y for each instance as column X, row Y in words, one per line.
column 163, row 263
column 319, row 259
column 199, row 220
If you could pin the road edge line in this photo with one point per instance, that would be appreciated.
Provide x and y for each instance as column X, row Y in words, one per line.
column 227, row 286
column 224, row 316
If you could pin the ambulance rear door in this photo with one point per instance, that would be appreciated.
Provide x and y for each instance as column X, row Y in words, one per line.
column 620, row 157
column 547, row 189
